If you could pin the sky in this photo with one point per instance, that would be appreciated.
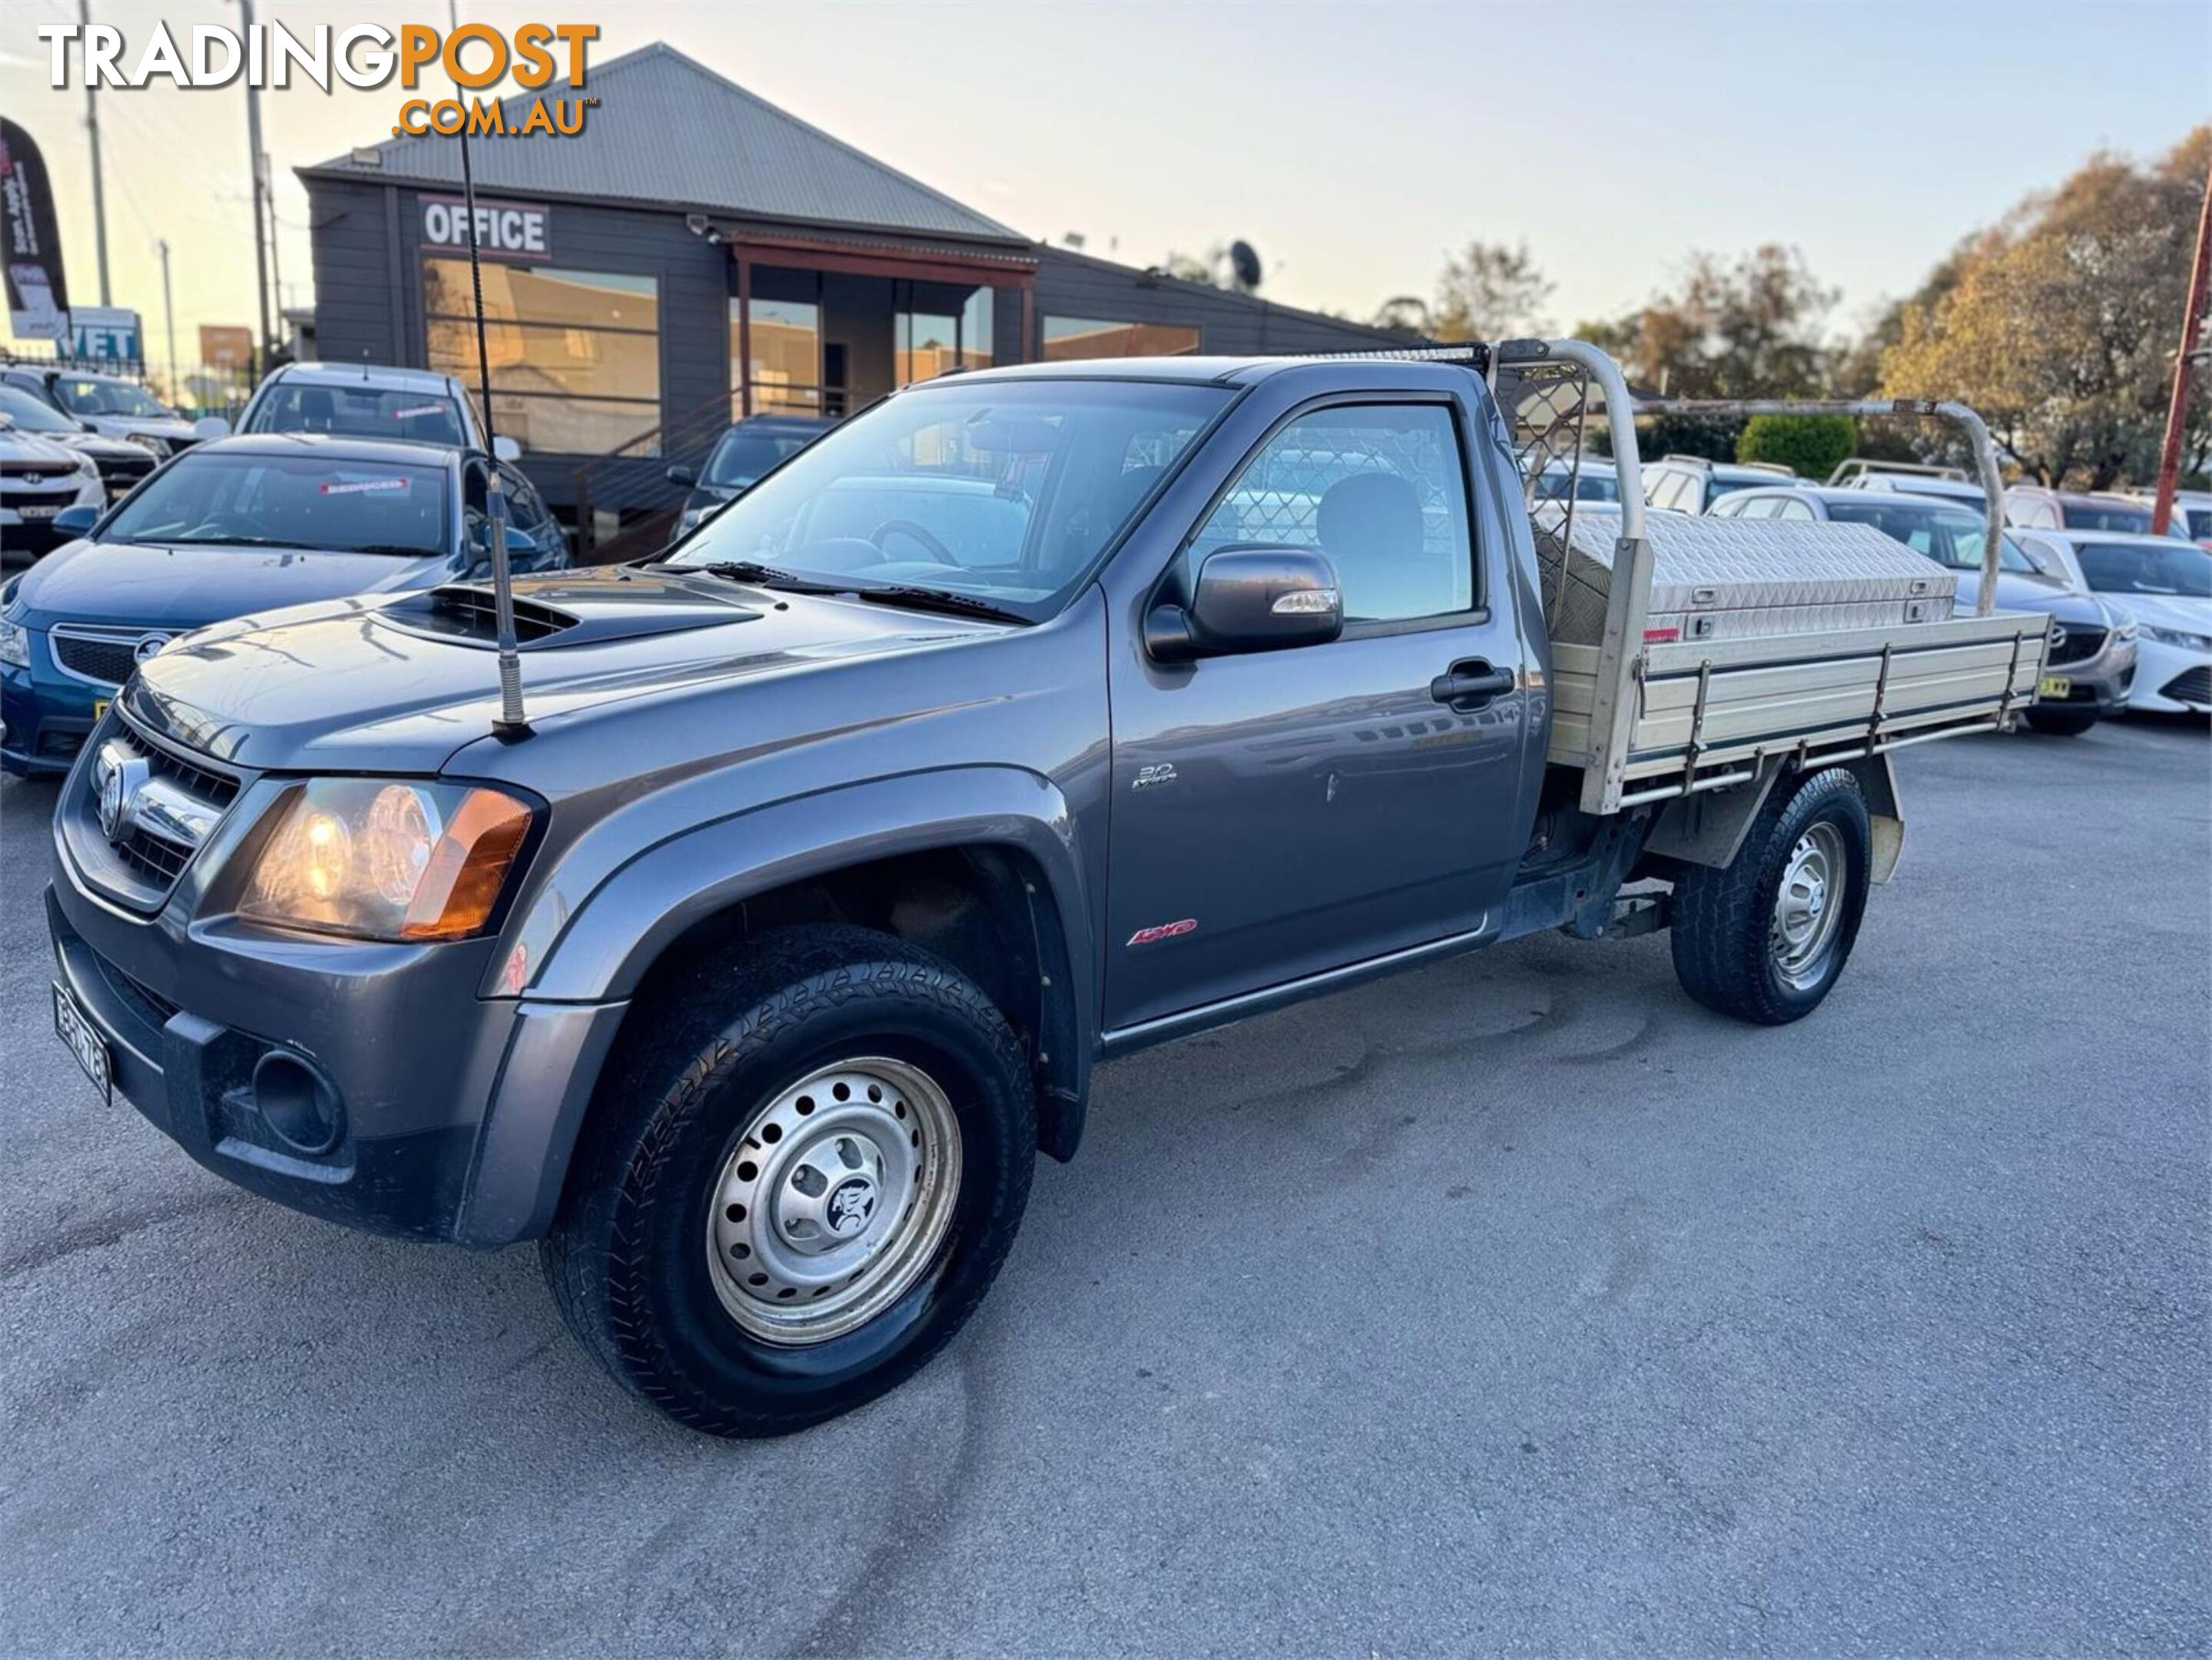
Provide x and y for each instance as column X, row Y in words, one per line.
column 1353, row 145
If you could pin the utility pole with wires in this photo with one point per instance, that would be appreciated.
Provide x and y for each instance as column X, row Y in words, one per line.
column 91, row 128
column 254, row 157
column 275, row 258
column 2177, row 410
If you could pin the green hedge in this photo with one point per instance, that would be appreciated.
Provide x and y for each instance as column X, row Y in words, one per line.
column 1810, row 445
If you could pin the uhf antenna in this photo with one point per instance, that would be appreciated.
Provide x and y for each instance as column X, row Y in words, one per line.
column 510, row 723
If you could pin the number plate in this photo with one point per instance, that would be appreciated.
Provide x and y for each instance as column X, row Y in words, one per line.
column 74, row 1028
column 29, row 514
column 2055, row 685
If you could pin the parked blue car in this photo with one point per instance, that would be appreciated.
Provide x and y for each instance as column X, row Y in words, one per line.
column 231, row 528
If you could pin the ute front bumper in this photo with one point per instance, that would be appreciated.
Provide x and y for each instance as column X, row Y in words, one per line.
column 366, row 1084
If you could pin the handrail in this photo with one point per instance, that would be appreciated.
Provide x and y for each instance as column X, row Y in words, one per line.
column 1977, row 436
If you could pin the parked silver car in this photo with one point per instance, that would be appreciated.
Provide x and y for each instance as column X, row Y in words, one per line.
column 2091, row 666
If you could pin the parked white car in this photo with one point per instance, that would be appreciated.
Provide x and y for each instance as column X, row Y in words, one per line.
column 2192, row 513
column 38, row 480
column 2167, row 587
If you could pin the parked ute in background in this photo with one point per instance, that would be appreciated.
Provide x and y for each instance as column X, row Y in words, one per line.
column 2166, row 586
column 1030, row 717
column 368, row 400
column 738, row 459
column 1690, row 484
column 2089, row 666
column 111, row 406
column 1959, row 491
column 242, row 525
column 123, row 462
column 40, row 480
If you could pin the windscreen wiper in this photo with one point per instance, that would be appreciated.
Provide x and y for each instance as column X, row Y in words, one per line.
column 938, row 600
column 766, row 576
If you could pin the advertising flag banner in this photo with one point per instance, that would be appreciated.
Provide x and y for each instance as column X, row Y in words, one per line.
column 30, row 240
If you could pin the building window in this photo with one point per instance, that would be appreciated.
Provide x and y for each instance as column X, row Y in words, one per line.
column 786, row 366
column 940, row 328
column 575, row 355
column 1068, row 338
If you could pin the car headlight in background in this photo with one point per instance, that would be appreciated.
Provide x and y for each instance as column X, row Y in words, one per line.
column 14, row 645
column 382, row 860
column 2176, row 637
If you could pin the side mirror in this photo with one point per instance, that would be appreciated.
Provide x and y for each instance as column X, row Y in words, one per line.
column 687, row 476
column 1250, row 599
column 210, row 426
column 77, row 521
column 504, row 448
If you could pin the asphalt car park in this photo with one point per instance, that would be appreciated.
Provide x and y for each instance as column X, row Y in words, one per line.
column 1516, row 1305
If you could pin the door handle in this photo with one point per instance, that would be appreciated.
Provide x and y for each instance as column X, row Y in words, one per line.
column 1471, row 684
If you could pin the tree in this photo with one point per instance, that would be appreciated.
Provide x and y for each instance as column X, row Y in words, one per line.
column 1810, row 445
column 1490, row 292
column 2060, row 325
column 1749, row 329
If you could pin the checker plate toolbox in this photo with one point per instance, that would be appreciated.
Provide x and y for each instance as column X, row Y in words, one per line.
column 1691, row 654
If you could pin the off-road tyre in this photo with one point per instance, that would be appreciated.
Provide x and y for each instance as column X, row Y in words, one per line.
column 628, row 1259
column 2061, row 723
column 1724, row 921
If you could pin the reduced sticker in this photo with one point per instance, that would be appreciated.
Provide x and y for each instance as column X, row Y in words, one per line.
column 362, row 486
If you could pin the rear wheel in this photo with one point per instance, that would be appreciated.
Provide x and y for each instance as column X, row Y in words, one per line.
column 1766, row 937
column 800, row 1182
column 2061, row 723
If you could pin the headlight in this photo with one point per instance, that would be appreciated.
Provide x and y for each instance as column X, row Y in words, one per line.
column 2176, row 637
column 14, row 645
column 87, row 465
column 2125, row 632
column 381, row 860
column 159, row 446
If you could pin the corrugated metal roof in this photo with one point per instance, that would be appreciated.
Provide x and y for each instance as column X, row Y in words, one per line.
column 669, row 130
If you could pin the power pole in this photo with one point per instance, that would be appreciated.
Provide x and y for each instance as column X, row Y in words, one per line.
column 276, row 256
column 2177, row 412
column 253, row 158
column 169, row 312
column 92, row 126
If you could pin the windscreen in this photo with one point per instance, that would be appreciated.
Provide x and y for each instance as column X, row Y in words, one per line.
column 2179, row 571
column 1949, row 535
column 1005, row 491
column 310, row 502
column 359, row 412
column 742, row 456
column 28, row 414
column 86, row 394
column 2106, row 515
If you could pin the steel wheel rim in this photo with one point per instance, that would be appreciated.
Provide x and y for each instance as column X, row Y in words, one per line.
column 1808, row 906
column 835, row 1201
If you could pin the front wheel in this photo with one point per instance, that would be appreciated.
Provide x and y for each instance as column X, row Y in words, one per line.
column 798, row 1183
column 1766, row 937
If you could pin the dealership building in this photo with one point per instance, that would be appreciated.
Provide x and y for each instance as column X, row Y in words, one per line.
column 697, row 254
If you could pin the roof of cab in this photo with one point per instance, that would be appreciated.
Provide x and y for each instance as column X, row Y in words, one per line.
column 382, row 377
column 331, row 446
column 1213, row 371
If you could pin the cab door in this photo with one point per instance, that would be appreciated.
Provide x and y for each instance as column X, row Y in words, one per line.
column 1277, row 814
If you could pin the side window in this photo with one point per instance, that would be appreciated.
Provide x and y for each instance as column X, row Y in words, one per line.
column 1790, row 509
column 1657, row 481
column 525, row 505
column 1380, row 489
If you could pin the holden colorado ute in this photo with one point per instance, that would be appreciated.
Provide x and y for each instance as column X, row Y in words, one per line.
column 1029, row 718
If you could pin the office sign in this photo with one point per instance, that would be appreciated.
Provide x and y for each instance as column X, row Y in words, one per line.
column 505, row 230
column 105, row 334
column 30, row 240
